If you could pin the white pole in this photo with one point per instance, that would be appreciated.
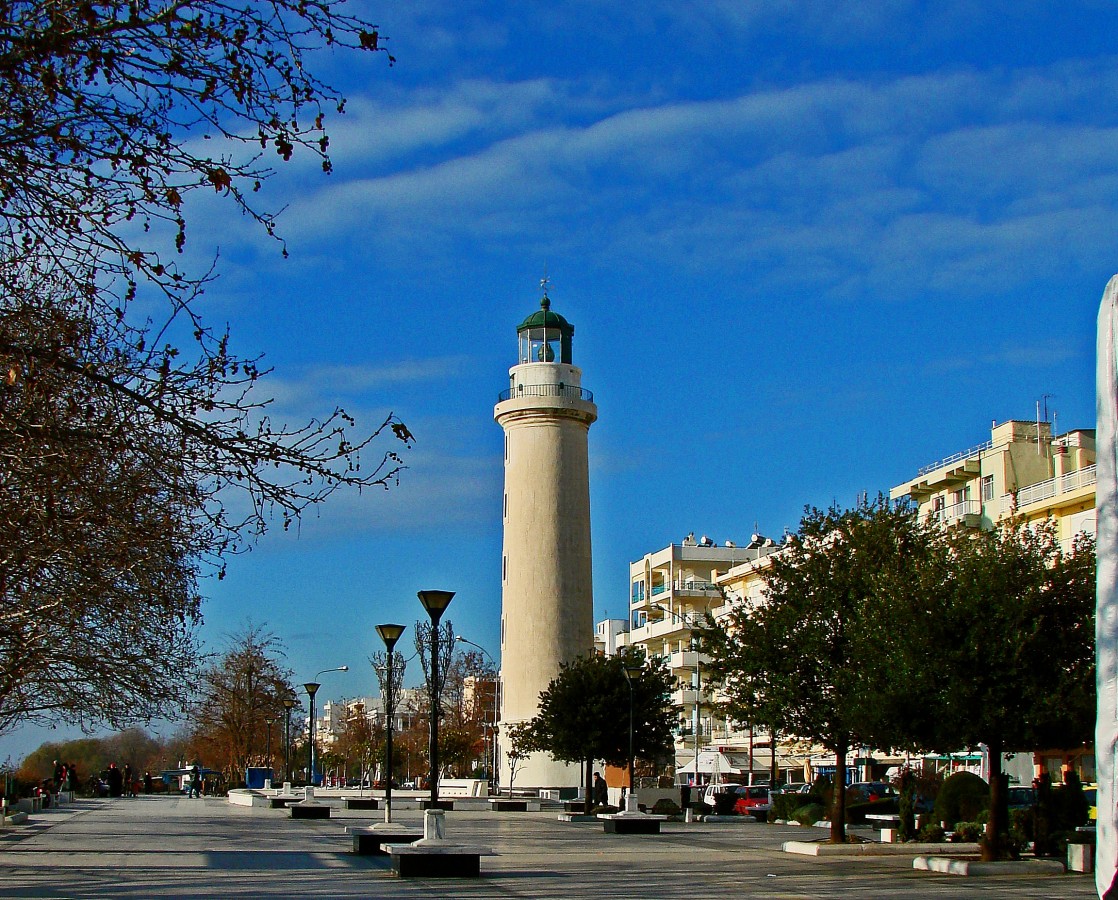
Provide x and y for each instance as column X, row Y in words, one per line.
column 1106, row 617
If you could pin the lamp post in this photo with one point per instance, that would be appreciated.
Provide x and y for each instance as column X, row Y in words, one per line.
column 269, row 721
column 631, row 671
column 435, row 602
column 390, row 634
column 288, row 705
column 496, row 687
column 312, row 689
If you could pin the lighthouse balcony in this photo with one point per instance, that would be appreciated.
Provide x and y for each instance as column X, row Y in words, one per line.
column 567, row 391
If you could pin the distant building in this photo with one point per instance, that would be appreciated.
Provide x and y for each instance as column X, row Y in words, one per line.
column 670, row 592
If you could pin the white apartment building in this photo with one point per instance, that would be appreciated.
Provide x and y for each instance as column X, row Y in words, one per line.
column 672, row 590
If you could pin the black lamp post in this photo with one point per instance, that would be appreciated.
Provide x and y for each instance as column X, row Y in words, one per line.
column 390, row 634
column 268, row 723
column 288, row 705
column 312, row 689
column 435, row 602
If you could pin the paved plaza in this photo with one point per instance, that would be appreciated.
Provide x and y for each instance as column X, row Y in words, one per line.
column 162, row 847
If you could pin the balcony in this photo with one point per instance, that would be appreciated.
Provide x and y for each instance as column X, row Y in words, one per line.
column 1053, row 487
column 969, row 512
column 546, row 390
column 685, row 659
column 685, row 697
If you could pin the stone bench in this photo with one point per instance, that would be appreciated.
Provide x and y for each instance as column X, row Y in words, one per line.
column 433, row 856
column 308, row 807
column 304, row 810
column 504, row 804
column 362, row 803
column 631, row 820
column 370, row 840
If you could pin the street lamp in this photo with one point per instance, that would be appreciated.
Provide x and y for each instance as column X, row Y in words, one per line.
column 312, row 689
column 631, row 671
column 435, row 602
column 496, row 686
column 269, row 721
column 289, row 703
column 390, row 634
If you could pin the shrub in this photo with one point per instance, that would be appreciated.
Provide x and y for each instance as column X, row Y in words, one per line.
column 961, row 798
column 784, row 806
column 809, row 814
column 666, row 807
column 932, row 833
column 1021, row 826
column 968, row 832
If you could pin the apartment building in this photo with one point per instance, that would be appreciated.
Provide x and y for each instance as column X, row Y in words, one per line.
column 1024, row 469
column 671, row 591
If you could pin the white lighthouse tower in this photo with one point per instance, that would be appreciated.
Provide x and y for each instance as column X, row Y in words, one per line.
column 547, row 601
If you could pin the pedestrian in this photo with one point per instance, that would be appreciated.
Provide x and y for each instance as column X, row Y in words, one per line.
column 147, row 783
column 115, row 781
column 129, row 790
column 601, row 791
column 195, row 782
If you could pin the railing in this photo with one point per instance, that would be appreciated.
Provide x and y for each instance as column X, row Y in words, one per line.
column 961, row 455
column 1053, row 487
column 546, row 390
column 956, row 511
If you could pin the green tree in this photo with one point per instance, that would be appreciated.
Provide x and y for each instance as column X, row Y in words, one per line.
column 1014, row 645
column 796, row 662
column 584, row 713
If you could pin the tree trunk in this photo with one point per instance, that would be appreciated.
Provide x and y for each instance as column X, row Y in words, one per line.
column 588, row 788
column 994, row 845
column 774, row 768
column 838, row 804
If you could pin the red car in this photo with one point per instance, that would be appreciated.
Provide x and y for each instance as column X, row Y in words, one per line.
column 753, row 800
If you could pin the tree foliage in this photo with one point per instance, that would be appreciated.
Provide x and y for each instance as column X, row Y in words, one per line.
column 241, row 692
column 584, row 713
column 877, row 629
column 1015, row 644
column 796, row 662
column 114, row 111
column 136, row 449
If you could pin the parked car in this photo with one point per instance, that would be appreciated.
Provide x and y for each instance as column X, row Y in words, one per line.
column 1091, row 792
column 753, row 800
column 868, row 791
column 721, row 797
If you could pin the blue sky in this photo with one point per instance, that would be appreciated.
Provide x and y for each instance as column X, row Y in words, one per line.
column 807, row 247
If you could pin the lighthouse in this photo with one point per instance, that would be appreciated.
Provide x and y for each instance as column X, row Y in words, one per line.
column 547, row 600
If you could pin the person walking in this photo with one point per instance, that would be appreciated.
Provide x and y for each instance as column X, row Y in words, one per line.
column 195, row 782
column 601, row 791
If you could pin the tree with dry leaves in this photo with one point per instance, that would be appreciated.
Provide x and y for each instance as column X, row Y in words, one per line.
column 138, row 451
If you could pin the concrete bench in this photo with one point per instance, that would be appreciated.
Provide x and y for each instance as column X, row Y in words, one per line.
column 452, row 861
column 371, row 840
column 433, row 856
column 362, row 803
column 504, row 804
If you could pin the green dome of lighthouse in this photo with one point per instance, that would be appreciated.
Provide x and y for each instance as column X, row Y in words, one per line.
column 545, row 318
column 545, row 336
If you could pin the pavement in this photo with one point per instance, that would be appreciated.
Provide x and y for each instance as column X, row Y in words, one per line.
column 170, row 847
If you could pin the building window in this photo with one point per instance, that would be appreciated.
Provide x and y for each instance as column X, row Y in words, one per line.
column 504, row 568
column 638, row 591
column 988, row 487
column 506, row 505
